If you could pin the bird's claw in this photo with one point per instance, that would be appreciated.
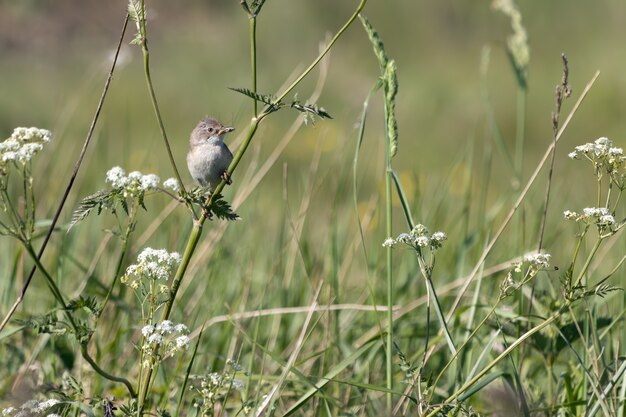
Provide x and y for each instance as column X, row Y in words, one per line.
column 226, row 177
column 206, row 213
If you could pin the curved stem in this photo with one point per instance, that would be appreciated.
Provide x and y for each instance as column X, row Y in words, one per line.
column 105, row 374
column 83, row 346
column 323, row 53
column 157, row 112
column 583, row 270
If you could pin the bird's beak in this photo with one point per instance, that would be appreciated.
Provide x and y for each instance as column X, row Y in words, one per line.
column 226, row 130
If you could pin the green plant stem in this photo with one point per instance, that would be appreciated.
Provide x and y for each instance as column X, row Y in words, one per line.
column 102, row 372
column 196, row 231
column 435, row 411
column 583, row 270
column 389, row 231
column 70, row 184
column 324, row 52
column 520, row 132
column 157, row 112
column 120, row 261
column 253, row 61
column 460, row 349
column 83, row 347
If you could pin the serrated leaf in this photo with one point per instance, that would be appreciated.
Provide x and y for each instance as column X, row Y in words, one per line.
column 88, row 303
column 222, row 209
column 263, row 98
column 87, row 204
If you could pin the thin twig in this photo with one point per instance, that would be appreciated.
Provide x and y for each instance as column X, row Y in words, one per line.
column 562, row 91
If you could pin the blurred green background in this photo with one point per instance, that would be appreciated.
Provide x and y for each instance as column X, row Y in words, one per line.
column 55, row 56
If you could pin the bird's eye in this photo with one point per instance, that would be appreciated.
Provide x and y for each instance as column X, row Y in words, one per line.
column 210, row 130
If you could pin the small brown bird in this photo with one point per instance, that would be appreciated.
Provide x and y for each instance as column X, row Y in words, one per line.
column 209, row 157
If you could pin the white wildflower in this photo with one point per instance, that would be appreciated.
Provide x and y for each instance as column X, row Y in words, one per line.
column 172, row 184
column 419, row 230
column 404, row 238
column 439, row 236
column 31, row 134
column 9, row 156
column 538, row 260
column 607, row 219
column 149, row 182
column 147, row 330
column 572, row 155
column 155, row 338
column 570, row 215
column 165, row 327
column 422, row 241
column 117, row 177
column 182, row 342
column 389, row 242
column 181, row 328
column 7, row 411
column 157, row 264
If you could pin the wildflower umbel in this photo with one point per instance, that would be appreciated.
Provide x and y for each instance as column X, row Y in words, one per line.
column 419, row 237
column 23, row 144
column 134, row 184
column 153, row 264
column 530, row 265
column 606, row 159
column 213, row 387
column 163, row 340
column 172, row 184
column 600, row 216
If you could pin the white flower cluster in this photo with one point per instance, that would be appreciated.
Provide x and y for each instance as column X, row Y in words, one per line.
column 133, row 184
column 534, row 261
column 169, row 337
column 419, row 237
column 154, row 264
column 31, row 408
column 172, row 184
column 605, row 158
column 600, row 148
column 592, row 215
column 214, row 386
column 23, row 144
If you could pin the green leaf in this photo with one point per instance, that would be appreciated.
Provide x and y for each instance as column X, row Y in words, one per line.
column 223, row 210
column 97, row 201
column 328, row 377
column 263, row 98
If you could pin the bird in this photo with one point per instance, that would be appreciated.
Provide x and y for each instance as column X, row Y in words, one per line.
column 208, row 158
